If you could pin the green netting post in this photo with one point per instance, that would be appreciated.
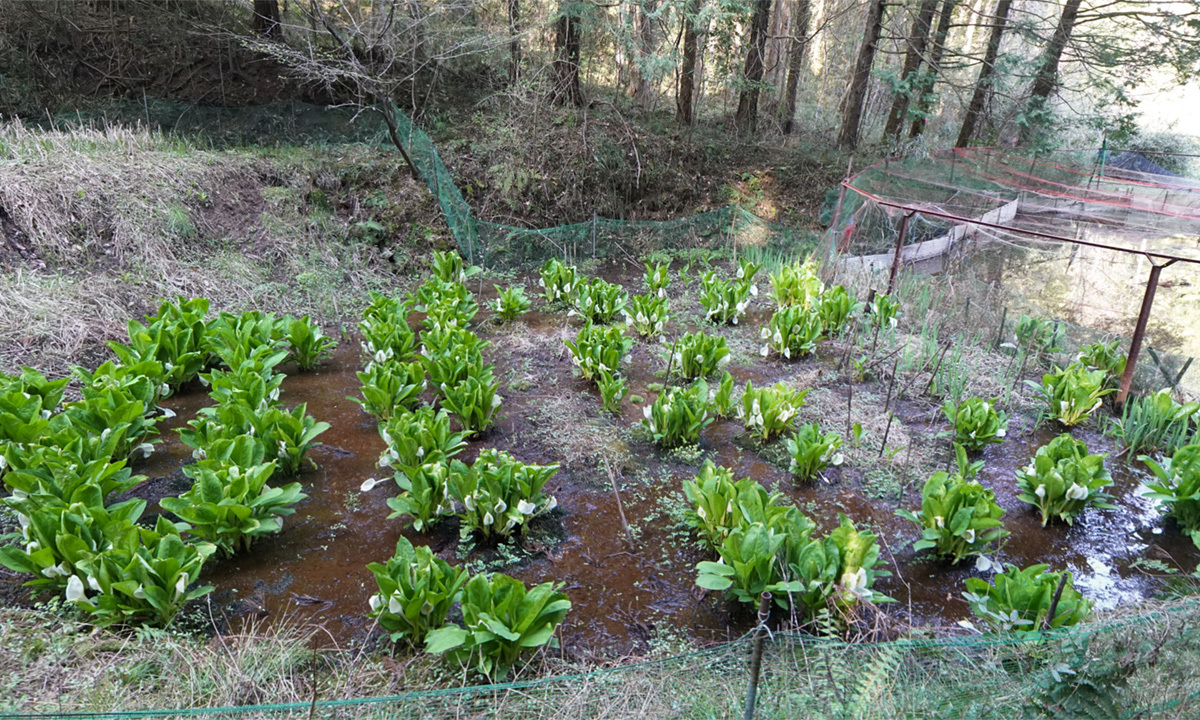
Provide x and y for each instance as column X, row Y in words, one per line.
column 764, row 611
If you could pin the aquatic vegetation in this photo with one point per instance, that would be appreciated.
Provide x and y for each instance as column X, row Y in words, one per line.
column 599, row 350
column 977, row 423
column 501, row 620
column 500, row 494
column 511, row 302
column 598, row 301
column 1018, row 600
column 958, row 517
column 1072, row 393
column 1063, row 479
column 677, row 415
column 812, row 451
column 769, row 411
column 1178, row 487
column 792, row 332
column 698, row 355
column 416, row 592
column 558, row 282
column 647, row 315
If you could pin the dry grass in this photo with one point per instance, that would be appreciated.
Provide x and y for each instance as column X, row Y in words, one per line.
column 109, row 220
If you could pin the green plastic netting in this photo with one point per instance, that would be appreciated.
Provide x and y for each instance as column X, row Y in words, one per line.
column 1134, row 667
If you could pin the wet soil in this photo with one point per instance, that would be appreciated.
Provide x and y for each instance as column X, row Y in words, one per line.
column 628, row 587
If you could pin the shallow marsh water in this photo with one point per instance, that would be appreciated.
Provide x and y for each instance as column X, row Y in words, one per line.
column 627, row 590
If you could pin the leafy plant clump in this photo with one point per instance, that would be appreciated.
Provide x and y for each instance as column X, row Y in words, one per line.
column 677, row 415
column 599, row 301
column 390, row 387
column 448, row 267
column 1105, row 356
column 698, row 355
column 796, row 285
column 1072, row 393
column 612, row 391
column 598, row 350
column 725, row 301
column 501, row 620
column 1063, row 479
column 416, row 438
column 770, row 411
column 648, row 315
column 1178, row 487
column 307, row 344
column 657, row 279
column 884, row 311
column 416, row 592
column 1039, row 336
column 977, row 423
column 500, row 494
column 812, row 451
column 511, row 302
column 558, row 282
column 835, row 307
column 959, row 517
column 1019, row 600
column 793, row 332
column 717, row 504
column 1157, row 423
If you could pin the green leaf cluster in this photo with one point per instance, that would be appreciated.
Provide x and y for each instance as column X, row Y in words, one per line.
column 511, row 303
column 386, row 334
column 958, row 517
column 448, row 267
column 647, row 314
column 1106, row 356
column 1018, row 600
column 884, row 311
column 1157, row 423
column 793, row 332
column 699, row 355
column 1072, row 393
column 1178, row 487
column 812, row 451
column 977, row 423
column 501, row 620
column 599, row 301
column 500, row 494
column 558, row 282
column 657, row 279
column 416, row 591
column 677, row 415
column 1063, row 479
column 307, row 344
column 390, row 388
column 175, row 339
column 598, row 350
column 769, row 411
column 725, row 300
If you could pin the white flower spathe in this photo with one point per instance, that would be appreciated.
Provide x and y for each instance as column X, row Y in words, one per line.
column 75, row 591
column 1077, row 492
column 369, row 484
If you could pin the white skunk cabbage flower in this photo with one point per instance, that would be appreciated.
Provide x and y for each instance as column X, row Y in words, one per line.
column 1077, row 492
column 369, row 484
column 1040, row 491
column 75, row 591
column 525, row 507
column 394, row 606
column 181, row 585
column 374, row 602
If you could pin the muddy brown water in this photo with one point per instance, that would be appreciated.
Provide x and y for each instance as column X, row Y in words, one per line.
column 624, row 596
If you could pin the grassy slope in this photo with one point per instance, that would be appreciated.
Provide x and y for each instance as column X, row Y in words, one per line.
column 98, row 224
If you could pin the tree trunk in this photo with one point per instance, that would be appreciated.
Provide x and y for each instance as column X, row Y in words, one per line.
column 1046, row 78
column 514, row 42
column 747, row 109
column 918, row 37
column 983, row 85
column 924, row 99
column 799, row 48
column 856, row 93
column 645, row 51
column 687, row 71
column 567, row 42
column 266, row 18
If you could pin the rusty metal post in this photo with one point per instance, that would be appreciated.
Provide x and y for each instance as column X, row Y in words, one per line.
column 1139, row 331
column 764, row 611
column 899, row 246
